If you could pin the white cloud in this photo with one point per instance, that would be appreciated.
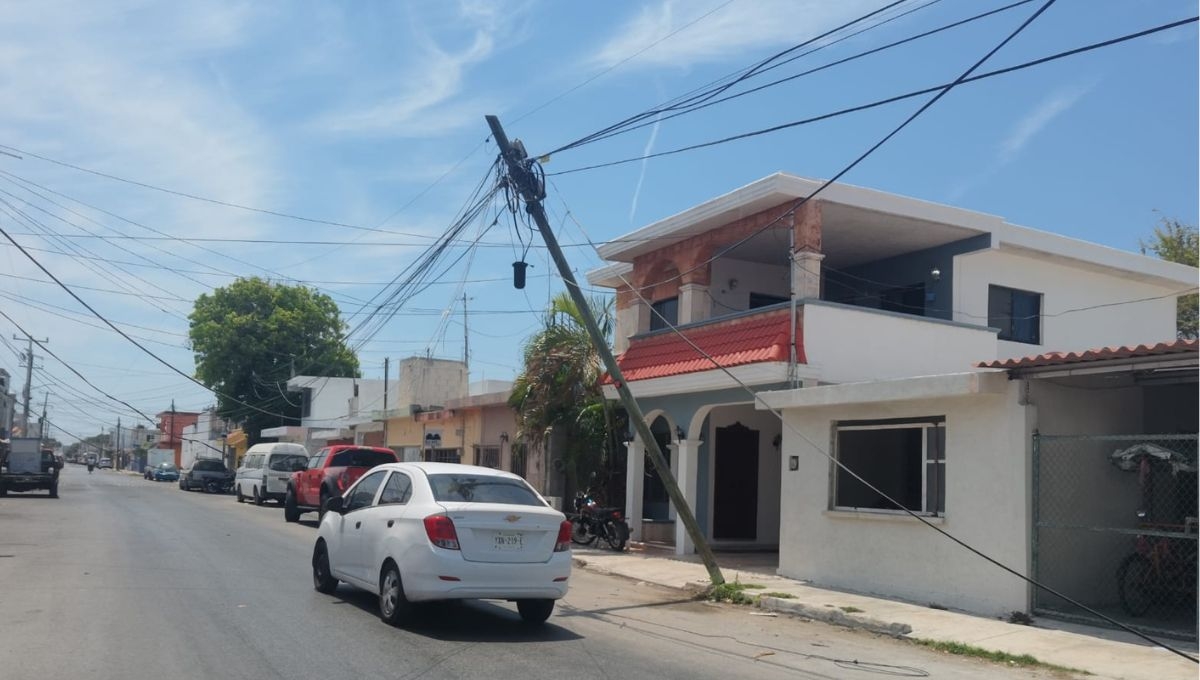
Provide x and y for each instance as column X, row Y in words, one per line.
column 733, row 29
column 1033, row 122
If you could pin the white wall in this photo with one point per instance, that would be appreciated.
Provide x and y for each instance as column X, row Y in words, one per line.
column 855, row 344
column 430, row 382
column 1064, row 287
column 752, row 277
column 768, row 464
column 894, row 555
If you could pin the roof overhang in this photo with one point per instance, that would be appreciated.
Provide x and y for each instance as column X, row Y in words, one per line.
column 765, row 373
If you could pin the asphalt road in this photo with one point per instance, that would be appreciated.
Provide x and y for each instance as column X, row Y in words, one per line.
column 127, row 579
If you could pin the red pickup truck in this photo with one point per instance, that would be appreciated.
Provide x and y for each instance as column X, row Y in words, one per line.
column 330, row 472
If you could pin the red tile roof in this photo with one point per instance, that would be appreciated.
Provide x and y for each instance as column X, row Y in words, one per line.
column 749, row 339
column 1101, row 354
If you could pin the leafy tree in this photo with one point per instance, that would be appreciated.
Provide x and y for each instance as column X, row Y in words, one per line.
column 249, row 337
column 1175, row 241
column 559, row 387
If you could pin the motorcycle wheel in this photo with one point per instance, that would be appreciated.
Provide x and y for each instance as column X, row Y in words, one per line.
column 580, row 534
column 1135, row 585
column 616, row 534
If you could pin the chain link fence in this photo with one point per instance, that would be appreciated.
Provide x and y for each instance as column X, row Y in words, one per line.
column 1115, row 528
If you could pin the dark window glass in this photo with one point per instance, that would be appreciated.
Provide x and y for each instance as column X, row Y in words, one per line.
column 763, row 300
column 397, row 490
column 367, row 458
column 907, row 300
column 904, row 462
column 209, row 466
column 668, row 313
column 286, row 463
column 1017, row 313
column 364, row 492
column 450, row 488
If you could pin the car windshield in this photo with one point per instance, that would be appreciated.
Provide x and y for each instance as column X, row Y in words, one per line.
column 167, row 467
column 454, row 488
column 209, row 466
column 361, row 458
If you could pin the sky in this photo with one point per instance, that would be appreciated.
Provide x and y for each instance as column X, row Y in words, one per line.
column 370, row 116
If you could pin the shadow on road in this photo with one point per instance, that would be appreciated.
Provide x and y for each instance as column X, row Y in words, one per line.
column 463, row 620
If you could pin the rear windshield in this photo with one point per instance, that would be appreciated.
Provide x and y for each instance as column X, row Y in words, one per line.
column 167, row 467
column 482, row 489
column 209, row 466
column 287, row 463
column 361, row 458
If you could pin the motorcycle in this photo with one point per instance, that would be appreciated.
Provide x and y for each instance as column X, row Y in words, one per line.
column 591, row 522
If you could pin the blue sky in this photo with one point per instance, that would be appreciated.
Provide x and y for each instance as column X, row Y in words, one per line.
column 347, row 112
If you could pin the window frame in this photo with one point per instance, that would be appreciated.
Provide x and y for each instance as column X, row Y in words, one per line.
column 374, row 494
column 383, row 487
column 1007, row 322
column 932, row 457
column 658, row 323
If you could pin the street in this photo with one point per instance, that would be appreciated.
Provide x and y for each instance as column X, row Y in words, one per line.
column 126, row 578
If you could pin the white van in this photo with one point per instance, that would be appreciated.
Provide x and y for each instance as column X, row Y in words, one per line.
column 265, row 471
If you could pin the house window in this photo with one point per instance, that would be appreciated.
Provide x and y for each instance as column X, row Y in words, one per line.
column 763, row 300
column 1017, row 313
column 666, row 313
column 904, row 459
column 488, row 456
column 442, row 455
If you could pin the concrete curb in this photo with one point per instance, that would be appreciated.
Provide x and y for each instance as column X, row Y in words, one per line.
column 835, row 616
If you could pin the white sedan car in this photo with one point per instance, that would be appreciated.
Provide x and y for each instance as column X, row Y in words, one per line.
column 415, row 532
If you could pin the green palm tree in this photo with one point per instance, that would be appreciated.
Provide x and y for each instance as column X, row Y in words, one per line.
column 559, row 387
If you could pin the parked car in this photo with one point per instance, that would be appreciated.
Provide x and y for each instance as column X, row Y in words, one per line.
column 416, row 532
column 105, row 463
column 329, row 473
column 164, row 472
column 202, row 471
column 265, row 470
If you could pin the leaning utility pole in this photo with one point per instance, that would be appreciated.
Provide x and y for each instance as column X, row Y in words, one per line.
column 26, row 395
column 531, row 189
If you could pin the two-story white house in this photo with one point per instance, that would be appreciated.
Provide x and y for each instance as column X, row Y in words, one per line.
column 856, row 286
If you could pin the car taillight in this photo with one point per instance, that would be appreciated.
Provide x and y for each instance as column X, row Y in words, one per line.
column 563, row 542
column 616, row 514
column 440, row 530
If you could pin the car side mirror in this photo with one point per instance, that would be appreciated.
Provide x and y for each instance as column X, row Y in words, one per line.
column 335, row 504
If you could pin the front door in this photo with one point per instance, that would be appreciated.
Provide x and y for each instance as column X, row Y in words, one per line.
column 735, row 484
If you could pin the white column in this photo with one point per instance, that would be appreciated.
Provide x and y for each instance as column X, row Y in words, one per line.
column 674, row 449
column 686, row 473
column 635, row 476
column 693, row 303
column 806, row 275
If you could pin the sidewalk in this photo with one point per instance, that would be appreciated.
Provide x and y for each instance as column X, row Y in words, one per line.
column 1094, row 651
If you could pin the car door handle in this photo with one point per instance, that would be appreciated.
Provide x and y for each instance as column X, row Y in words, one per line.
column 358, row 525
column 391, row 522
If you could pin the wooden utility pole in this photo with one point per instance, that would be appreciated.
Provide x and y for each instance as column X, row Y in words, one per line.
column 530, row 186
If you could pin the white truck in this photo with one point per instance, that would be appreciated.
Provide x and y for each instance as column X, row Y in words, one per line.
column 26, row 465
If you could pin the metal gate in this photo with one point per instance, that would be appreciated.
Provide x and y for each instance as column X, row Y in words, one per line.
column 1115, row 528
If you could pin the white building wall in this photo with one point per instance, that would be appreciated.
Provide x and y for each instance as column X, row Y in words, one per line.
column 987, row 472
column 1064, row 286
column 430, row 382
column 751, row 277
column 854, row 344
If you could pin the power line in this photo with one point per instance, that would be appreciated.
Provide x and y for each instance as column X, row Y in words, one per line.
column 881, row 102
column 818, row 69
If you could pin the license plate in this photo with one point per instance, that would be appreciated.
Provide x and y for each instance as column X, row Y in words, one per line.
column 508, row 541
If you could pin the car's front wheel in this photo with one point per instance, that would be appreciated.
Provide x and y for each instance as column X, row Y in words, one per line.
column 393, row 605
column 535, row 611
column 258, row 499
column 323, row 579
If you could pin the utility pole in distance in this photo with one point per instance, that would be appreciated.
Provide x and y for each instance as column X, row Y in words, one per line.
column 531, row 189
column 26, row 395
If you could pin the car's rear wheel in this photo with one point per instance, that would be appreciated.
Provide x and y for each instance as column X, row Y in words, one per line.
column 323, row 579
column 535, row 611
column 291, row 513
column 394, row 607
column 321, row 508
column 258, row 499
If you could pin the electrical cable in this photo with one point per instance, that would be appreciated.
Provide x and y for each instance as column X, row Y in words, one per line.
column 881, row 102
column 828, row 65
